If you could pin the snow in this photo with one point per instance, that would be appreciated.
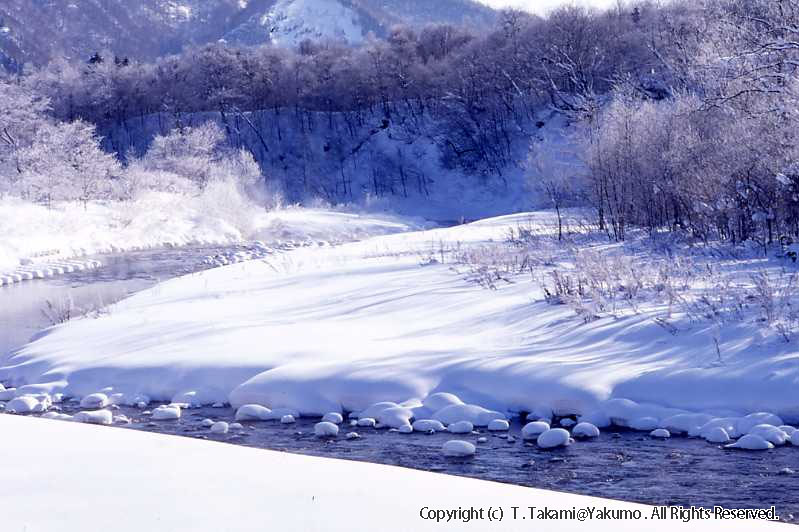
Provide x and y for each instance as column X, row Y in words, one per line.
column 166, row 413
column 531, row 430
column 769, row 433
column 717, row 435
column 458, row 449
column 207, row 422
column 290, row 22
column 288, row 419
column 585, row 430
column 751, row 442
column 25, row 405
column 325, row 429
column 333, row 417
column 230, row 487
column 366, row 422
column 660, row 433
column 553, row 438
column 95, row 417
column 220, row 427
column 795, row 438
column 95, row 400
column 428, row 425
column 498, row 425
column 320, row 330
column 460, row 427
column 353, row 436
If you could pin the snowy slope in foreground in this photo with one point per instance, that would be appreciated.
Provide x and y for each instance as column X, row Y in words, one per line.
column 332, row 329
column 123, row 480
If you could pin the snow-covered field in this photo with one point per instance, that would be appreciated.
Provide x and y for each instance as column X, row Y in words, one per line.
column 109, row 479
column 34, row 234
column 320, row 330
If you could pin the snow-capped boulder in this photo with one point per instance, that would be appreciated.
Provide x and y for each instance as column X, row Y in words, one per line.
column 751, row 442
column 585, row 430
column 554, row 438
column 353, row 436
column 499, row 425
column 660, row 433
column 746, row 423
column 95, row 400
column 787, row 429
column 236, row 426
column 95, row 417
column 220, row 427
column 532, row 430
column 405, row 429
column 461, row 427
column 458, row 449
column 25, row 404
column 325, row 429
column 252, row 413
column 729, row 424
column 427, row 425
column 207, row 422
column 166, row 413
column 684, row 423
column 276, row 414
column 476, row 415
column 376, row 409
column 366, row 422
column 769, row 433
column 121, row 420
column 716, row 435
column 597, row 418
column 437, row 401
column 395, row 417
column 288, row 419
column 645, row 423
column 333, row 417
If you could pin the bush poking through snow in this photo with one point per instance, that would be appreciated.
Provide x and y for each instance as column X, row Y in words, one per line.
column 459, row 449
column 585, row 430
column 325, row 429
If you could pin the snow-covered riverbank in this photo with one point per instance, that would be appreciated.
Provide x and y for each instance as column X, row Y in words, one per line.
column 339, row 329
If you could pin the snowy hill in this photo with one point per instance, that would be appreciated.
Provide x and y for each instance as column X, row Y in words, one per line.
column 38, row 31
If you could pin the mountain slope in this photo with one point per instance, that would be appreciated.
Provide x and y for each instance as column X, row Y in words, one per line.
column 37, row 30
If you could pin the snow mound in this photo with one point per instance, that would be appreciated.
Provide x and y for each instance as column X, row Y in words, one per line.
column 26, row 404
column 554, row 438
column 533, row 429
column 684, row 423
column 660, row 433
column 395, row 417
column 166, row 413
column 366, row 422
column 476, row 415
column 220, row 427
column 769, row 433
column 95, row 400
column 253, row 413
column 746, row 423
column 333, row 417
column 95, row 417
column 646, row 423
column 585, row 430
column 437, row 401
column 751, row 442
column 728, row 424
column 325, row 429
column 288, row 419
column 461, row 427
column 716, row 435
column 458, row 449
column 498, row 425
column 428, row 425
column 787, row 429
column 405, row 429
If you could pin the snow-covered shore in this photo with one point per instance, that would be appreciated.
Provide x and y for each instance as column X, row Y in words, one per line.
column 70, row 477
column 321, row 330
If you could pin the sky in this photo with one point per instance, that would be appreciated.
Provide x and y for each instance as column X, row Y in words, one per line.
column 542, row 6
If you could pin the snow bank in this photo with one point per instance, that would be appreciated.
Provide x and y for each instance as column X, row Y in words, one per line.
column 229, row 487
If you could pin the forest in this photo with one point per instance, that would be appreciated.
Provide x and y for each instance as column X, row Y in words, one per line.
column 683, row 117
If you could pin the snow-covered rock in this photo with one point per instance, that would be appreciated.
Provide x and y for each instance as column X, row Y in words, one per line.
column 769, row 433
column 276, row 414
column 532, row 430
column 660, row 433
column 95, row 417
column 567, row 422
column 333, row 417
column 585, row 430
column 220, row 427
column 729, row 424
column 437, row 401
column 166, row 413
column 427, row 425
column 795, row 438
column 25, row 404
column 405, row 429
column 95, row 400
column 374, row 411
column 499, row 425
column 325, row 429
column 787, row 429
column 395, row 417
column 207, row 422
column 746, row 423
column 366, row 422
column 459, row 449
column 460, row 427
column 8, row 394
column 353, row 436
column 645, row 423
column 288, row 419
column 253, row 413
column 236, row 426
column 684, row 423
column 716, row 435
column 553, row 438
column 476, row 415
column 121, row 420
column 751, row 442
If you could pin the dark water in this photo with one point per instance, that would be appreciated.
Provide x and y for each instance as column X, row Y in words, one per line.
column 623, row 465
column 626, row 465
